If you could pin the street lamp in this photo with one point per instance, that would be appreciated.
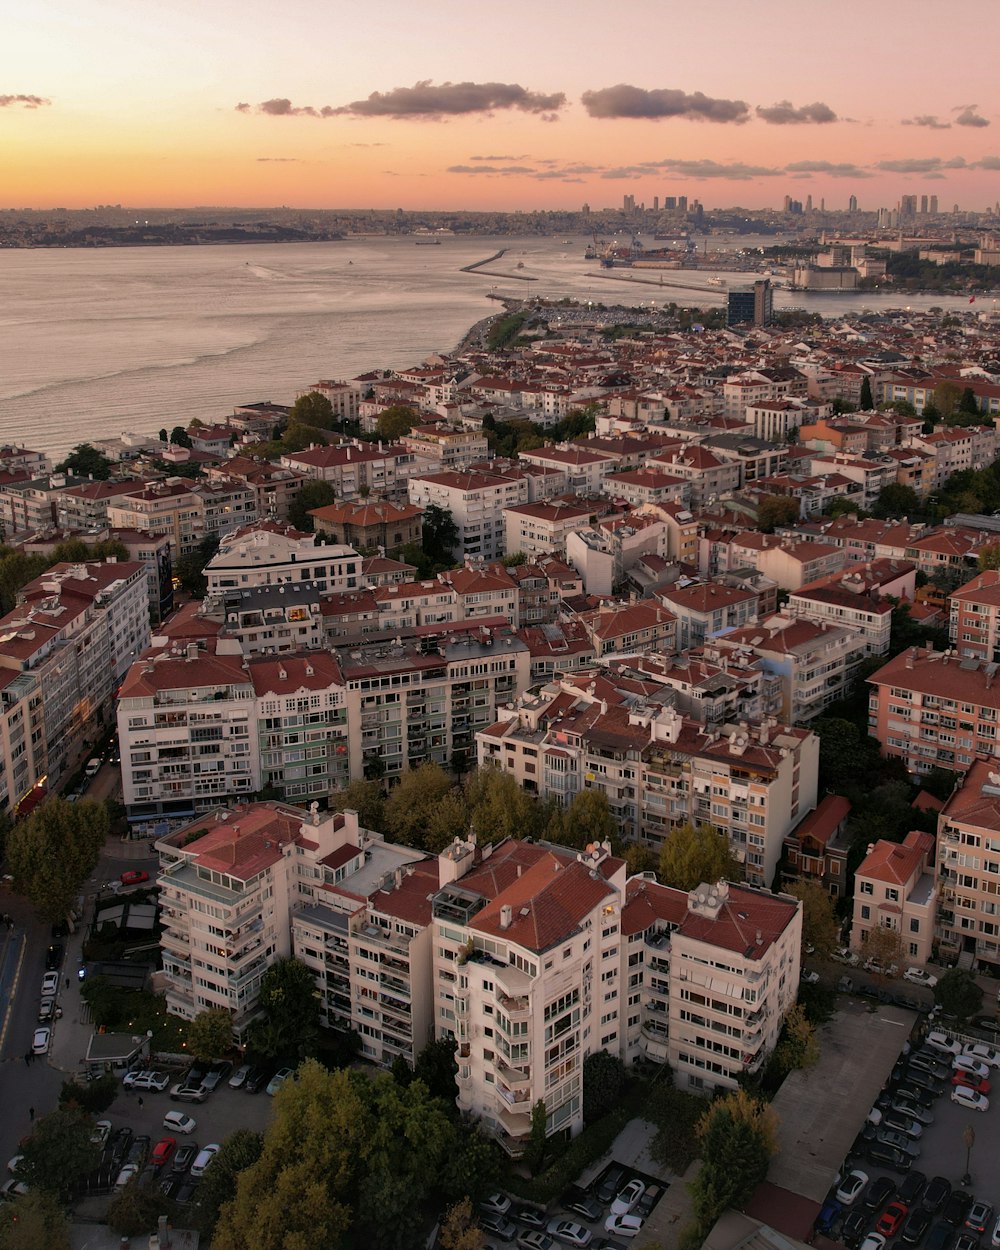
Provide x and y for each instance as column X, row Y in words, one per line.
column 969, row 1138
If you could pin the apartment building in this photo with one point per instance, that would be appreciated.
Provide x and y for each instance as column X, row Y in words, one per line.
column 23, row 767
column 371, row 524
column 756, row 386
column 270, row 554
column 792, row 564
column 858, row 598
column 706, row 609
column 968, row 869
column 933, row 710
column 708, row 475
column 29, row 504
column 710, row 687
column 84, row 506
column 894, row 889
column 439, row 447
column 477, row 503
column 816, row 849
column 816, row 663
column 647, row 486
column 585, row 470
column 974, row 620
column 355, row 468
column 542, row 528
column 187, row 512
column 275, row 487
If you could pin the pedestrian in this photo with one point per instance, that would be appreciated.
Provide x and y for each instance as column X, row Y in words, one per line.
column 31, row 1114
column 27, row 1057
column 67, row 982
column 140, row 1100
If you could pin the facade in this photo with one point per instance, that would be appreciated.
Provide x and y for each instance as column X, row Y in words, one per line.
column 974, row 622
column 540, row 529
column 968, row 869
column 858, row 598
column 707, row 609
column 187, row 512
column 816, row 849
column 269, row 554
column 375, row 524
column 894, row 889
column 477, row 502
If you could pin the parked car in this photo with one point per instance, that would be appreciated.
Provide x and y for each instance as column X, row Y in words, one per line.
column 915, row 1226
column 889, row 1157
column 628, row 1197
column 530, row 1217
column 101, row 1132
column 913, row 1091
column 47, row 1010
column 939, row 1238
column 852, row 1232
column 809, row 977
column 184, row 1155
column 995, row 1235
column 495, row 1204
column 569, row 1233
column 151, row 1080
column 205, row 1157
column 187, row 1093
column 967, row 1241
column 881, row 970
column 919, row 977
column 239, row 1077
column 534, row 1239
column 609, row 1184
column 40, row 1042
column 50, row 984
column 53, row 958
column 138, row 1152
column 890, row 1137
column 944, row 1042
column 828, row 1217
column 902, row 1124
column 162, row 1151
column 957, row 1207
column 215, row 1074
column 178, row 1122
column 579, row 1202
column 130, row 1077
column 974, row 1067
column 649, row 1200
column 969, row 1099
column 966, row 1079
column 910, row 1107
column 256, row 1080
column 498, row 1225
column 134, row 876
column 912, row 1188
column 889, row 1222
column 984, row 1052
column 874, row 1241
column 280, row 1077
column 929, row 1062
column 624, row 1225
column 878, row 1193
column 936, row 1194
column 979, row 1217
column 118, row 1146
column 925, row 1081
column 851, row 1187
column 125, row 1175
column 844, row 955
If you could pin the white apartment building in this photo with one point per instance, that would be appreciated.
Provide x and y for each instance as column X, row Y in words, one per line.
column 185, row 511
column 476, row 502
column 439, row 447
column 270, row 554
column 542, row 528
column 585, row 470
column 968, row 869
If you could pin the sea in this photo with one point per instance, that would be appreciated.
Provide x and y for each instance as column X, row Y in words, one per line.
column 98, row 341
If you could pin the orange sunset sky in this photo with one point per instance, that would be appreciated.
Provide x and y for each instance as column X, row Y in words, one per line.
column 530, row 104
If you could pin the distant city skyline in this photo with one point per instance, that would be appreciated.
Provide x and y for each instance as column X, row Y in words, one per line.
column 538, row 107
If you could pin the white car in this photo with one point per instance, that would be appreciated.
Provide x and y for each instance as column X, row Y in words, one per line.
column 628, row 1197
column 151, row 1080
column 569, row 1232
column 984, row 1052
column 943, row 1042
column 50, row 984
column 239, row 1077
column 874, row 1241
column 178, row 1122
column 624, row 1225
column 974, row 1067
column 919, row 977
column 852, row 1187
column 101, row 1133
column 14, row 1164
column 125, row 1175
column 809, row 978
column 40, row 1042
column 969, row 1099
column 205, row 1157
column 130, row 1077
column 495, row 1204
column 844, row 955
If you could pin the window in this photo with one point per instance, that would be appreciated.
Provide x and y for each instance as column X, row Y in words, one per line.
column 866, row 887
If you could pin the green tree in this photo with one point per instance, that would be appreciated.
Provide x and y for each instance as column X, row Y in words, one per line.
column 210, row 1034
column 291, row 1012
column 589, row 819
column 459, row 1230
column 883, row 948
column 474, row 1165
column 775, row 511
column 411, row 805
column 639, row 859
column 436, row 1067
column 34, row 1221
column 312, row 408
column 537, row 1147
column 300, row 1193
column 92, row 1097
column 180, row 437
column 395, row 421
column 946, row 397
column 497, row 806
column 866, row 403
column 738, row 1136
column 76, row 551
column 603, row 1084
column 16, row 570
column 53, row 851
column 968, row 404
column 163, row 436
column 819, row 920
column 59, row 1152
column 896, row 501
column 137, row 1209
column 846, row 755
column 238, row 1152
column 86, row 461
column 364, row 797
column 696, row 855
column 439, row 534
column 189, row 569
column 310, row 495
column 958, row 994
column 798, row 1047
column 989, row 557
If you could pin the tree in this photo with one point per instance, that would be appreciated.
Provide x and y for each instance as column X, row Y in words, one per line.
column 639, row 859
column 86, row 461
column 534, row 1152
column 846, row 755
column 59, row 1152
column 968, row 404
column 16, row 570
column 819, row 920
column 946, row 397
column 589, row 819
column 189, row 569
column 896, row 501
column 603, row 1084
column 883, row 948
column 798, row 1047
column 410, row 807
column 313, row 408
column 210, row 1034
column 291, row 1012
column 237, row 1153
column 137, row 1209
column 989, row 557
column 54, row 850
column 299, row 1194
column 92, row 1097
column 777, row 510
column 958, row 994
column 738, row 1136
column 180, row 437
column 310, row 495
column 474, row 1165
column 866, row 403
column 459, row 1230
column 696, row 855
column 364, row 797
column 76, row 551
column 34, row 1221
column 497, row 806
column 163, row 436
column 395, row 421
column 436, row 1067
column 439, row 533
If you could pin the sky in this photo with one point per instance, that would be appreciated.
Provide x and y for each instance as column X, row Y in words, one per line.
column 526, row 105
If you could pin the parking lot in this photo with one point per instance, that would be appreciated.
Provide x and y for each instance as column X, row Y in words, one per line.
column 578, row 1218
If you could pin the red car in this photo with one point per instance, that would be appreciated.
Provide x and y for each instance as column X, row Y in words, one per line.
column 163, row 1150
column 133, row 877
column 891, row 1218
column 980, row 1084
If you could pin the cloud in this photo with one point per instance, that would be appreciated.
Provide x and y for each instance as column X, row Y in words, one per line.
column 785, row 114
column 367, row 145
column 452, row 99
column 736, row 171
column 828, row 167
column 928, row 120
column 25, row 101
column 986, row 162
column 243, row 107
column 490, row 169
column 506, row 157
column 278, row 160
column 969, row 117
column 625, row 101
column 922, row 165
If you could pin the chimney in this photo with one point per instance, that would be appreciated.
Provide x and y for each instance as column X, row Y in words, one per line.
column 506, row 916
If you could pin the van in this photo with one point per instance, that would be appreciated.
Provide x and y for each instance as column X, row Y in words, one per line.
column 92, row 769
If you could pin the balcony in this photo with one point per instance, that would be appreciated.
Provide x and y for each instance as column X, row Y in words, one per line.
column 516, row 1008
column 514, row 1099
column 516, row 1122
column 516, row 1078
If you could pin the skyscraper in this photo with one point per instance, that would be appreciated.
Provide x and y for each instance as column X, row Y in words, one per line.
column 923, row 206
column 746, row 305
column 933, row 206
column 852, row 204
